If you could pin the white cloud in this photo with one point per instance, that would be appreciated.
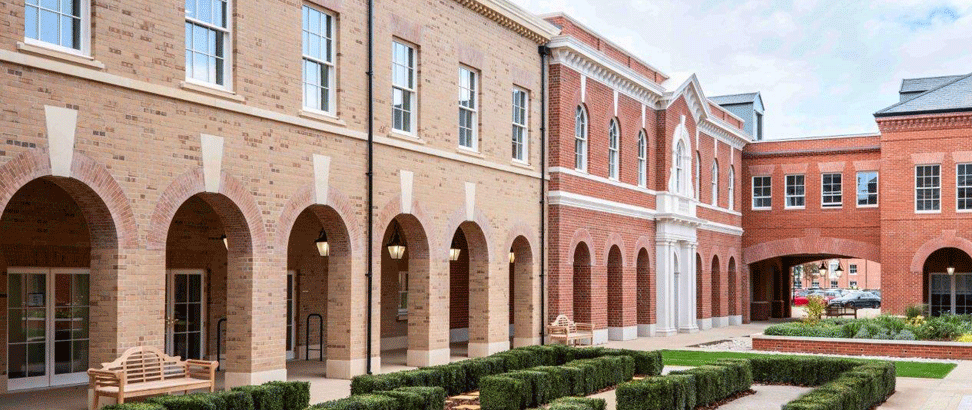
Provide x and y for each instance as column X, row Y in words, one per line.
column 823, row 67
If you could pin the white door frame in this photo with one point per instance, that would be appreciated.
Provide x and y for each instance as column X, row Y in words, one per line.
column 50, row 379
column 170, row 309
column 951, row 287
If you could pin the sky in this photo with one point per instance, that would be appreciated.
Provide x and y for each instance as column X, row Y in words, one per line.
column 823, row 67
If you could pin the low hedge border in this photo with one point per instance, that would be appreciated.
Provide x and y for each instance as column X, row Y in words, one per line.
column 687, row 389
column 402, row 398
column 277, row 395
column 578, row 403
column 534, row 387
column 861, row 388
column 460, row 377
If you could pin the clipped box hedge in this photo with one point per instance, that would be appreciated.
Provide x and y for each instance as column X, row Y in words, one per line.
column 134, row 406
column 686, row 389
column 534, row 387
column 265, row 397
column 578, row 403
column 402, row 398
column 800, row 370
column 861, row 388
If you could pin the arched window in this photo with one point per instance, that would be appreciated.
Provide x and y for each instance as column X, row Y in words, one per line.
column 614, row 146
column 680, row 167
column 732, row 188
column 698, row 175
column 715, row 182
column 642, row 159
column 580, row 139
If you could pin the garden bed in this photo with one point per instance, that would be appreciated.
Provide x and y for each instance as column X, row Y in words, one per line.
column 864, row 347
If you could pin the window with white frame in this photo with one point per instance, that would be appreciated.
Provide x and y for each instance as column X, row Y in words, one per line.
column 614, row 143
column 698, row 176
column 60, row 23
column 867, row 188
column 833, row 283
column 715, row 182
column 580, row 139
column 795, row 191
column 732, row 188
column 318, row 54
column 762, row 192
column 928, row 187
column 521, row 134
column 208, row 47
column 853, row 268
column 404, row 98
column 680, row 167
column 402, row 294
column 853, row 283
column 642, row 159
column 963, row 187
column 815, row 283
column 831, row 190
column 468, row 108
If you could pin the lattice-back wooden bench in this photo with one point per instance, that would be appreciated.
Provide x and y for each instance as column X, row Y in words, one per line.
column 570, row 332
column 147, row 371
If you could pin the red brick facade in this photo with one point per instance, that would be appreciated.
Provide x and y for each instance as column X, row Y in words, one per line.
column 857, row 347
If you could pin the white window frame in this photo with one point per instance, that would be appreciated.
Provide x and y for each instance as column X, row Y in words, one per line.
column 824, row 193
column 834, row 284
column 642, row 159
column 521, row 121
column 755, row 197
column 327, row 64
column 967, row 187
column 698, row 176
column 877, row 184
column 938, row 187
column 786, row 192
column 472, row 109
column 732, row 188
column 410, row 90
column 227, row 49
column 84, row 42
column 715, row 182
column 852, row 268
column 852, row 284
column 680, row 167
column 581, row 128
column 614, row 150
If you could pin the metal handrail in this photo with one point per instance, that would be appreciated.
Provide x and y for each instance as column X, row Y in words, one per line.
column 307, row 348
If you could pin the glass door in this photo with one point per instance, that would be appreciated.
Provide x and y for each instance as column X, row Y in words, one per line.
column 186, row 313
column 963, row 293
column 940, row 294
column 47, row 340
column 291, row 311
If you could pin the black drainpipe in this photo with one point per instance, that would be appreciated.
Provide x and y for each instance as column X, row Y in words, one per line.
column 371, row 166
column 544, row 51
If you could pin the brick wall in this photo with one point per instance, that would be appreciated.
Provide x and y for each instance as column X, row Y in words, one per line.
column 923, row 349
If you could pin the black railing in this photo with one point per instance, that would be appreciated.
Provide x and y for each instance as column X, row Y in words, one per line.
column 320, row 337
column 219, row 341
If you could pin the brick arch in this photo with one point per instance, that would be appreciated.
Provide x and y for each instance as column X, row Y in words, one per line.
column 191, row 183
column 811, row 245
column 614, row 239
column 732, row 271
column 337, row 203
column 717, row 300
column 458, row 220
column 614, row 262
column 643, row 280
column 948, row 239
column 391, row 210
column 581, row 235
column 645, row 243
column 529, row 234
column 106, row 208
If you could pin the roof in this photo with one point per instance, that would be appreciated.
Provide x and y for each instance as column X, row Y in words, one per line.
column 745, row 98
column 949, row 96
column 912, row 85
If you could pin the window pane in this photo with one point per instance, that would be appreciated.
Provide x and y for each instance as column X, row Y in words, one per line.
column 48, row 26
column 30, row 25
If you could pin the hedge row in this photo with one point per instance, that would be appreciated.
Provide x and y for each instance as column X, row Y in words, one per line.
column 682, row 390
column 861, row 388
column 520, row 389
column 460, row 377
column 268, row 396
column 578, row 403
column 800, row 370
column 402, row 398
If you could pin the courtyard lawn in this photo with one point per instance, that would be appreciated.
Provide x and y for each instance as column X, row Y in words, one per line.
column 923, row 370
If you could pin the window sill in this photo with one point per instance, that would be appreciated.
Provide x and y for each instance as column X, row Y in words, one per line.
column 928, row 212
column 415, row 139
column 321, row 116
column 834, row 208
column 867, row 206
column 212, row 91
column 795, row 208
column 470, row 152
column 521, row 164
column 761, row 209
column 48, row 52
column 402, row 317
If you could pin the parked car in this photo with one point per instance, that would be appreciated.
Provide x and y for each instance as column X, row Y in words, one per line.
column 858, row 300
column 827, row 296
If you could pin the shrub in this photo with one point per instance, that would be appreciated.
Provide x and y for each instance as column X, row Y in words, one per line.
column 539, row 386
column 561, row 383
column 905, row 334
column 578, row 403
column 862, row 388
column 894, row 324
column 236, row 400
column 265, row 397
column 406, row 400
column 966, row 338
column 648, row 363
column 673, row 392
column 503, row 393
column 799, row 370
column 850, row 329
column 433, row 397
column 189, row 402
column 815, row 308
column 134, row 406
column 743, row 372
column 938, row 328
column 716, row 382
column 359, row 402
column 296, row 395
column 368, row 383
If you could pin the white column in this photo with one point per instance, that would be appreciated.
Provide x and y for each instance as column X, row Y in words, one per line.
column 687, row 312
column 664, row 288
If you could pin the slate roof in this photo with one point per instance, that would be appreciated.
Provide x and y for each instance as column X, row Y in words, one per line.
column 954, row 94
column 911, row 85
column 745, row 98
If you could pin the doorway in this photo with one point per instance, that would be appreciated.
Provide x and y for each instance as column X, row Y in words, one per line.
column 186, row 314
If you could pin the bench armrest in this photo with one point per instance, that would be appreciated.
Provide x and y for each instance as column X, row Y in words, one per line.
column 99, row 378
column 201, row 368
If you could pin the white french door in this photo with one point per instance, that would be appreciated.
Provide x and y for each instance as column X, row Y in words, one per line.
column 291, row 314
column 950, row 293
column 186, row 313
column 47, row 338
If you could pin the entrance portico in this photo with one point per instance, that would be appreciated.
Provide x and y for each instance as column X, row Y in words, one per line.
column 676, row 244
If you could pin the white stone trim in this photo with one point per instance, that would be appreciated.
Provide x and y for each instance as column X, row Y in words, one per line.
column 646, row 330
column 406, row 179
column 600, row 336
column 623, row 333
column 722, row 321
column 735, row 320
column 322, row 171
column 526, row 341
column 587, row 61
column 235, row 379
column 719, row 208
column 425, row 358
column 62, row 124
column 579, row 174
column 486, row 349
column 212, row 157
column 470, row 200
column 863, row 341
column 346, row 369
column 705, row 324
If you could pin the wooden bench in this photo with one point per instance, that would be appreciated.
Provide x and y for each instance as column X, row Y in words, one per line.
column 570, row 332
column 838, row 311
column 147, row 371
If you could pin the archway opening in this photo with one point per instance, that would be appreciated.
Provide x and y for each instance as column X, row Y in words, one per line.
column 318, row 257
column 703, row 309
column 615, row 294
column 523, row 293
column 58, row 264
column 468, row 282
column 646, row 310
column 947, row 282
column 582, row 284
column 717, row 289
column 733, row 291
column 404, row 288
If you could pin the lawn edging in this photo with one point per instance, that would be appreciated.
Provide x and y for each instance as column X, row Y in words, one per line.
column 863, row 347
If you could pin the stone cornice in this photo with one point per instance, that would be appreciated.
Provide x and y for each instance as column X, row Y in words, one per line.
column 817, row 151
column 514, row 18
column 582, row 58
column 925, row 122
column 718, row 129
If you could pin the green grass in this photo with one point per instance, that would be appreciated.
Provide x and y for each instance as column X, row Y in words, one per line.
column 923, row 370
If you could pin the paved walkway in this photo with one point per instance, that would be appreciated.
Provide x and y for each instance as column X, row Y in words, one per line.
column 952, row 393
